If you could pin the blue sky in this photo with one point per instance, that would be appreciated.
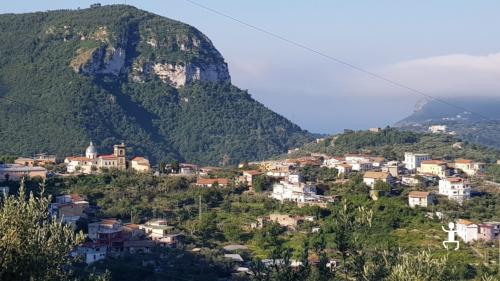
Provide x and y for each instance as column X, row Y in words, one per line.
column 445, row 48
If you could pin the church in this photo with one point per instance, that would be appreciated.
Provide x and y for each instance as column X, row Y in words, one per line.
column 92, row 162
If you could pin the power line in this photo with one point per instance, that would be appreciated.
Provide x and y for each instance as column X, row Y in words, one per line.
column 332, row 58
column 29, row 105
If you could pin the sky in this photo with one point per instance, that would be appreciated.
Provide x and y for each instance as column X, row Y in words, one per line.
column 443, row 48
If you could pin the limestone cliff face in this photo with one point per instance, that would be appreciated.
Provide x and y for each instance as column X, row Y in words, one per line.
column 100, row 61
column 145, row 53
column 179, row 75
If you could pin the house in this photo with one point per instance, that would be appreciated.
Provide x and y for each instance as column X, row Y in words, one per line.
column 15, row 172
column 438, row 129
column 277, row 169
column 37, row 160
column 469, row 167
column 411, row 180
column 133, row 231
column 92, row 162
column 108, row 232
column 391, row 168
column 361, row 166
column 220, row 182
column 371, row 177
column 90, row 252
column 377, row 161
column 69, row 208
column 250, row 175
column 171, row 240
column 469, row 231
column 138, row 246
column 307, row 161
column 332, row 162
column 433, row 167
column 457, row 189
column 156, row 229
column 343, row 169
column 287, row 221
column 293, row 189
column 413, row 160
column 140, row 164
column 375, row 130
column 351, row 158
column 419, row 198
column 188, row 169
column 24, row 161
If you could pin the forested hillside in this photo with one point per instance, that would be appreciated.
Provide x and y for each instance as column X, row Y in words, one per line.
column 116, row 73
column 393, row 143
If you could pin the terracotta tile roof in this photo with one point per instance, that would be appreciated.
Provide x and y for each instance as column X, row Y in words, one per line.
column 463, row 161
column 464, row 222
column 376, row 175
column 252, row 172
column 203, row 181
column 108, row 157
column 419, row 194
column 433, row 162
column 454, row 179
column 377, row 159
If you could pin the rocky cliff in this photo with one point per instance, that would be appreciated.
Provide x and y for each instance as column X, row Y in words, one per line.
column 117, row 73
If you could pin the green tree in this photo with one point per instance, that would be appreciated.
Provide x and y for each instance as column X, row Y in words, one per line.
column 32, row 246
column 261, row 183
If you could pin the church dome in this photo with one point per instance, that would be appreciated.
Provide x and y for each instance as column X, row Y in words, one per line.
column 91, row 151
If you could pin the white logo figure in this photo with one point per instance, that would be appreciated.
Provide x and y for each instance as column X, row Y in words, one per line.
column 451, row 236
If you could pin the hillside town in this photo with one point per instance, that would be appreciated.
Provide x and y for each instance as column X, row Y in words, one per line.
column 425, row 181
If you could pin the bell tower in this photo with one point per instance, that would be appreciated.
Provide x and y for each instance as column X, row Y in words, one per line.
column 119, row 152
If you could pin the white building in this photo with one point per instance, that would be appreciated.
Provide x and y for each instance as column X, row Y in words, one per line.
column 140, row 164
column 293, row 189
column 457, row 189
column 90, row 252
column 351, row 158
column 438, row 129
column 413, row 160
column 469, row 167
column 361, row 166
column 469, row 231
column 419, row 198
column 92, row 162
column 333, row 162
column 370, row 178
column 411, row 180
column 156, row 229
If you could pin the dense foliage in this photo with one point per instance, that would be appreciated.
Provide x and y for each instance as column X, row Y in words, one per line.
column 32, row 246
column 207, row 123
column 369, row 240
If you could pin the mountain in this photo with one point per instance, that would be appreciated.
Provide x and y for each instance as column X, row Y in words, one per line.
column 116, row 73
column 477, row 119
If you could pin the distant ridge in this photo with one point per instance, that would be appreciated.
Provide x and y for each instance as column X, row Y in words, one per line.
column 468, row 126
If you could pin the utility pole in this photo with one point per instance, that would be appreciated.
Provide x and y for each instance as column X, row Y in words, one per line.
column 199, row 208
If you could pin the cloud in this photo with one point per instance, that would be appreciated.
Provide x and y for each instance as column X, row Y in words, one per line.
column 444, row 76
